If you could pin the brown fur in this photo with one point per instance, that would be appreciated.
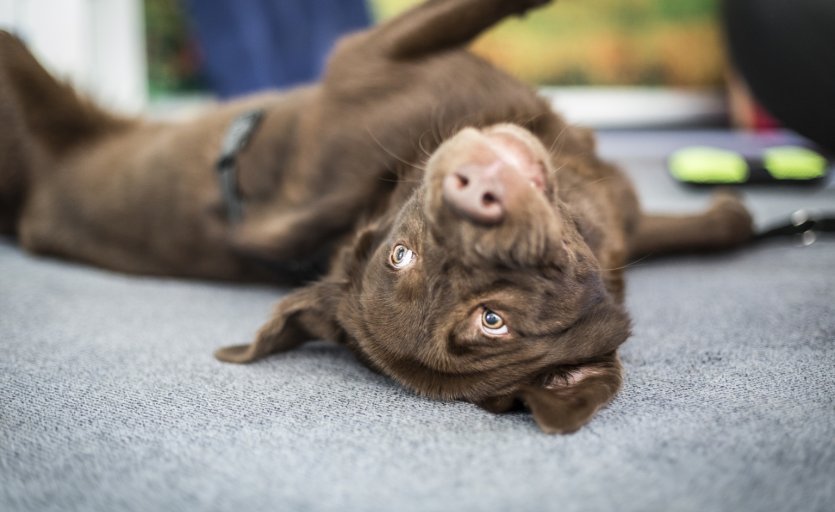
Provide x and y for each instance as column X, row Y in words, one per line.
column 351, row 168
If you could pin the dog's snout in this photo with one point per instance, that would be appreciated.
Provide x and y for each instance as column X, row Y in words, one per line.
column 494, row 177
column 477, row 192
column 491, row 173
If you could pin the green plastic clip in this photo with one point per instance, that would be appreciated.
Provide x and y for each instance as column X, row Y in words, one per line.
column 702, row 165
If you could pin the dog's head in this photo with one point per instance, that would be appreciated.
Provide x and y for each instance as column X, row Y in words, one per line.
column 480, row 287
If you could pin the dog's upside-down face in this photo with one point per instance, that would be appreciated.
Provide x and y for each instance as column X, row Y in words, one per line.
column 479, row 287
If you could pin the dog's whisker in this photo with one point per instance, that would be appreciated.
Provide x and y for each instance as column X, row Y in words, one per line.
column 390, row 153
column 628, row 265
column 560, row 138
column 439, row 124
column 587, row 184
column 420, row 143
column 521, row 121
column 398, row 180
column 556, row 171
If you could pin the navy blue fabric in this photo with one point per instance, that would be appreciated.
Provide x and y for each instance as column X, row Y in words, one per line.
column 249, row 45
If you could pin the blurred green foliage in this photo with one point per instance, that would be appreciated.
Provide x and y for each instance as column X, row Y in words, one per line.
column 173, row 59
column 605, row 42
column 569, row 42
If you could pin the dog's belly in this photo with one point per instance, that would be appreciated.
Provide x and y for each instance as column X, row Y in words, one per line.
column 144, row 201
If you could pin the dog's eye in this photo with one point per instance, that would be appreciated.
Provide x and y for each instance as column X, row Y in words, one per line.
column 401, row 256
column 492, row 324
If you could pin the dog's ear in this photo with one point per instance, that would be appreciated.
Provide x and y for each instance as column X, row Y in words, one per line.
column 564, row 400
column 349, row 264
column 304, row 315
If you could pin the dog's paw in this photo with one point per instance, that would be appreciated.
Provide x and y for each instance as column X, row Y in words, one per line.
column 730, row 219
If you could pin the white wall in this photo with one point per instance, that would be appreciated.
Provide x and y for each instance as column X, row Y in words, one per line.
column 97, row 45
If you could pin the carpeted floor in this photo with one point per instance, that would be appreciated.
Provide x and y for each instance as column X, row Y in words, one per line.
column 110, row 398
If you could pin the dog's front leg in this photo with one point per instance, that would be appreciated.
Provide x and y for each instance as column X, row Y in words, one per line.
column 440, row 24
column 297, row 234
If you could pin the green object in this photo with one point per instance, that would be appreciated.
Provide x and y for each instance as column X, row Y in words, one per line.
column 794, row 163
column 700, row 164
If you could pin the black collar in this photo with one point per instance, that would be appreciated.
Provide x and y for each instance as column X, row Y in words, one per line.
column 237, row 137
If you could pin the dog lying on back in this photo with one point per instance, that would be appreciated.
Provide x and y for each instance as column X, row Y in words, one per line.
column 475, row 241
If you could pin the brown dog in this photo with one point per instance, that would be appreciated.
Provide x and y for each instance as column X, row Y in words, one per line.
column 475, row 240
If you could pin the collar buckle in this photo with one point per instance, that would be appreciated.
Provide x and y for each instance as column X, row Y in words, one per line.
column 237, row 137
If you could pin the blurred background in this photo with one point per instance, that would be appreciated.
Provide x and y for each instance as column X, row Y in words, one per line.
column 605, row 63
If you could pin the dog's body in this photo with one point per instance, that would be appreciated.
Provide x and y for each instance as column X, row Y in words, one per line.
column 476, row 241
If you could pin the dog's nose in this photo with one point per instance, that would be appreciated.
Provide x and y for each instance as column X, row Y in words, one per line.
column 478, row 192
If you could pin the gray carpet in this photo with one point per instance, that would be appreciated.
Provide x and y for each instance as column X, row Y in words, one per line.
column 110, row 399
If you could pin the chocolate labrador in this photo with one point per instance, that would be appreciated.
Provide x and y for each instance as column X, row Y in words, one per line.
column 474, row 241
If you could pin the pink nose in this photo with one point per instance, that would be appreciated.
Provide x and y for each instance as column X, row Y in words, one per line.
column 477, row 192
